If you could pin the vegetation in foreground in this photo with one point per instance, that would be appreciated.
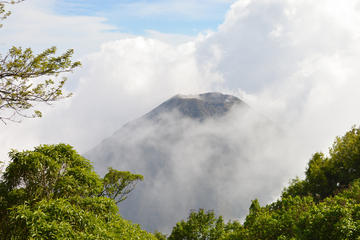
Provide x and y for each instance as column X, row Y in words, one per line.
column 324, row 205
column 53, row 193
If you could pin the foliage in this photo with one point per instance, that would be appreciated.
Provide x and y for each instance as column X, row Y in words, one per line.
column 326, row 176
column 118, row 184
column 325, row 205
column 20, row 87
column 78, row 218
column 53, row 193
column 27, row 78
column 52, row 171
column 159, row 235
column 200, row 225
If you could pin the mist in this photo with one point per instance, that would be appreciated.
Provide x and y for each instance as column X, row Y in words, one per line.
column 219, row 164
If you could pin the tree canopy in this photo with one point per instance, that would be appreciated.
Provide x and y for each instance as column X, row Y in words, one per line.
column 328, row 175
column 203, row 225
column 118, row 184
column 53, row 193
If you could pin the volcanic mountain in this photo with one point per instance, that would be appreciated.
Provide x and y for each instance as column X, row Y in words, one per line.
column 201, row 107
column 194, row 151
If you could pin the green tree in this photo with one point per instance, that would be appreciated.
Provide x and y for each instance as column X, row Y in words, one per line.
column 159, row 235
column 325, row 205
column 53, row 193
column 118, row 184
column 200, row 225
column 253, row 211
column 27, row 78
column 325, row 176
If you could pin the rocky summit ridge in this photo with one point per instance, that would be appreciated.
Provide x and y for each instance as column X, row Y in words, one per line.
column 199, row 106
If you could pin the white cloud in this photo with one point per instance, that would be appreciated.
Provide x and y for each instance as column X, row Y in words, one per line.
column 295, row 60
column 118, row 82
column 169, row 37
column 126, row 78
column 122, row 81
column 219, row 164
column 34, row 24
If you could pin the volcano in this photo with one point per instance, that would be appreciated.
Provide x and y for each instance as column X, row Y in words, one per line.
column 194, row 151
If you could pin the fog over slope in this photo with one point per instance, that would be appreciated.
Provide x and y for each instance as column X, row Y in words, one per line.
column 201, row 151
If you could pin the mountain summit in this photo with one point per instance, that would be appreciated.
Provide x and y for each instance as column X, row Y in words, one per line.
column 201, row 106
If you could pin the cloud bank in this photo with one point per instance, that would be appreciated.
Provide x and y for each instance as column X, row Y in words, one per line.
column 219, row 164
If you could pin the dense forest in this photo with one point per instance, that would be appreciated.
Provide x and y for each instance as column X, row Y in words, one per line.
column 53, row 193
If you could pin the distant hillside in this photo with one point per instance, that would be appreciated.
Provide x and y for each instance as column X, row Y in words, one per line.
column 194, row 151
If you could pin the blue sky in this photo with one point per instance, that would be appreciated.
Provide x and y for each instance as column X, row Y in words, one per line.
column 187, row 17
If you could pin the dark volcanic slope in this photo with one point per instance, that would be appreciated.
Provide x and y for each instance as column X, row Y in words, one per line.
column 201, row 107
column 194, row 152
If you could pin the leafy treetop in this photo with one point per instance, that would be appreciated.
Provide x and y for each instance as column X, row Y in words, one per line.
column 326, row 176
column 53, row 193
column 27, row 78
column 118, row 184
column 200, row 225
